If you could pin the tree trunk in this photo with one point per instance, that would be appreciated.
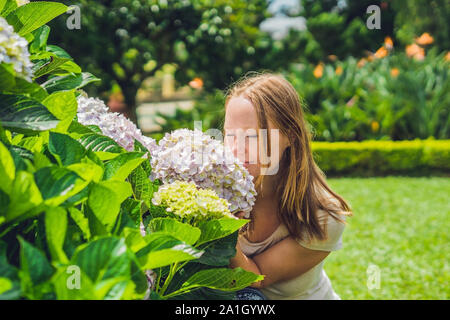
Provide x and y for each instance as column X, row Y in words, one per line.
column 129, row 94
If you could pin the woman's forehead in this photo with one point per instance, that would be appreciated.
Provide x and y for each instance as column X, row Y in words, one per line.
column 240, row 114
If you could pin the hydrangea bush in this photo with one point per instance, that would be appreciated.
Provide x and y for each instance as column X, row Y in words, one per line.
column 75, row 189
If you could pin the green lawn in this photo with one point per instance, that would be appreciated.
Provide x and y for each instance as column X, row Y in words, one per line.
column 401, row 225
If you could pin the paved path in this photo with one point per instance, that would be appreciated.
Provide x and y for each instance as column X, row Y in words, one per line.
column 146, row 112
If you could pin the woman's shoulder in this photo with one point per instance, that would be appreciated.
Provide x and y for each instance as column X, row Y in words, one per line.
column 333, row 224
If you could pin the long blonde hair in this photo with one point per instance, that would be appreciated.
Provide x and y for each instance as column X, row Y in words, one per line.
column 301, row 180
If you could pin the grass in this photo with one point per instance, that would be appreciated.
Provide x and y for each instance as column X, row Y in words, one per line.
column 401, row 226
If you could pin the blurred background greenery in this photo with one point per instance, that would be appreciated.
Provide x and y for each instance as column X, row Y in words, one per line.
column 166, row 64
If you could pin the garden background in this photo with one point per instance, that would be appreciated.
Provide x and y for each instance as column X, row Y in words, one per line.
column 377, row 102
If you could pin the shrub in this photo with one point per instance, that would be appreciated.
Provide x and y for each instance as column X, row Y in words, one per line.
column 373, row 158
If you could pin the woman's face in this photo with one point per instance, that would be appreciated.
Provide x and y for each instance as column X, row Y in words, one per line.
column 241, row 134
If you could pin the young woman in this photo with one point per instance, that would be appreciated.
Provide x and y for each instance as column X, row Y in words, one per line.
column 297, row 220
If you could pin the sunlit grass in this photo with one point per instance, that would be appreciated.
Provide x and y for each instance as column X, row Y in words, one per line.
column 400, row 225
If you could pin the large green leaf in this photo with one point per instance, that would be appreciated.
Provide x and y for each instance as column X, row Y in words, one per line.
column 219, row 252
column 32, row 15
column 24, row 195
column 66, row 149
column 120, row 167
column 63, row 105
column 33, row 264
column 221, row 278
column 176, row 229
column 72, row 283
column 55, row 232
column 216, row 229
column 105, row 199
column 58, row 184
column 68, row 82
column 7, row 169
column 103, row 258
column 98, row 142
column 162, row 250
column 22, row 114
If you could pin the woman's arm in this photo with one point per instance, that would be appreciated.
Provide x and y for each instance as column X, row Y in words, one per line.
column 284, row 261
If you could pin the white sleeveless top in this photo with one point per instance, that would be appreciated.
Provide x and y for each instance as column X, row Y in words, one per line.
column 311, row 285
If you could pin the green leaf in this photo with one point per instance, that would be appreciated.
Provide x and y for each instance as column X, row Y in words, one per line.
column 40, row 39
column 216, row 229
column 34, row 266
column 142, row 186
column 5, row 285
column 176, row 229
column 25, row 115
column 222, row 279
column 89, row 171
column 60, row 52
column 219, row 252
column 48, row 66
column 55, row 231
column 32, row 15
column 7, row 7
column 65, row 148
column 68, row 82
column 7, row 169
column 63, row 105
column 97, row 142
column 10, row 272
column 105, row 199
column 72, row 283
column 120, row 167
column 81, row 221
column 16, row 85
column 24, row 195
column 58, row 184
column 33, row 144
column 162, row 250
column 103, row 258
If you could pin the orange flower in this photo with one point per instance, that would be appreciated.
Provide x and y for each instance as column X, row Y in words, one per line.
column 375, row 126
column 394, row 72
column 361, row 62
column 425, row 39
column 318, row 71
column 416, row 52
column 388, row 43
column 381, row 53
column 332, row 57
column 447, row 56
column 370, row 57
column 339, row 70
column 196, row 83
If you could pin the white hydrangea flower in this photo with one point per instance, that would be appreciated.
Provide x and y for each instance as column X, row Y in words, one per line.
column 14, row 51
column 196, row 157
column 93, row 111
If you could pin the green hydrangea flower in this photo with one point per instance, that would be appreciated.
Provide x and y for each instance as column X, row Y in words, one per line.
column 190, row 204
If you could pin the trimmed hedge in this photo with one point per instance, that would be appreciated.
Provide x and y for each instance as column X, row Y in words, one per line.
column 378, row 158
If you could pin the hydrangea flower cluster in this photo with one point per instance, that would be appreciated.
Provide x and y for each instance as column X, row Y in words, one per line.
column 14, row 51
column 191, row 155
column 189, row 203
column 93, row 111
